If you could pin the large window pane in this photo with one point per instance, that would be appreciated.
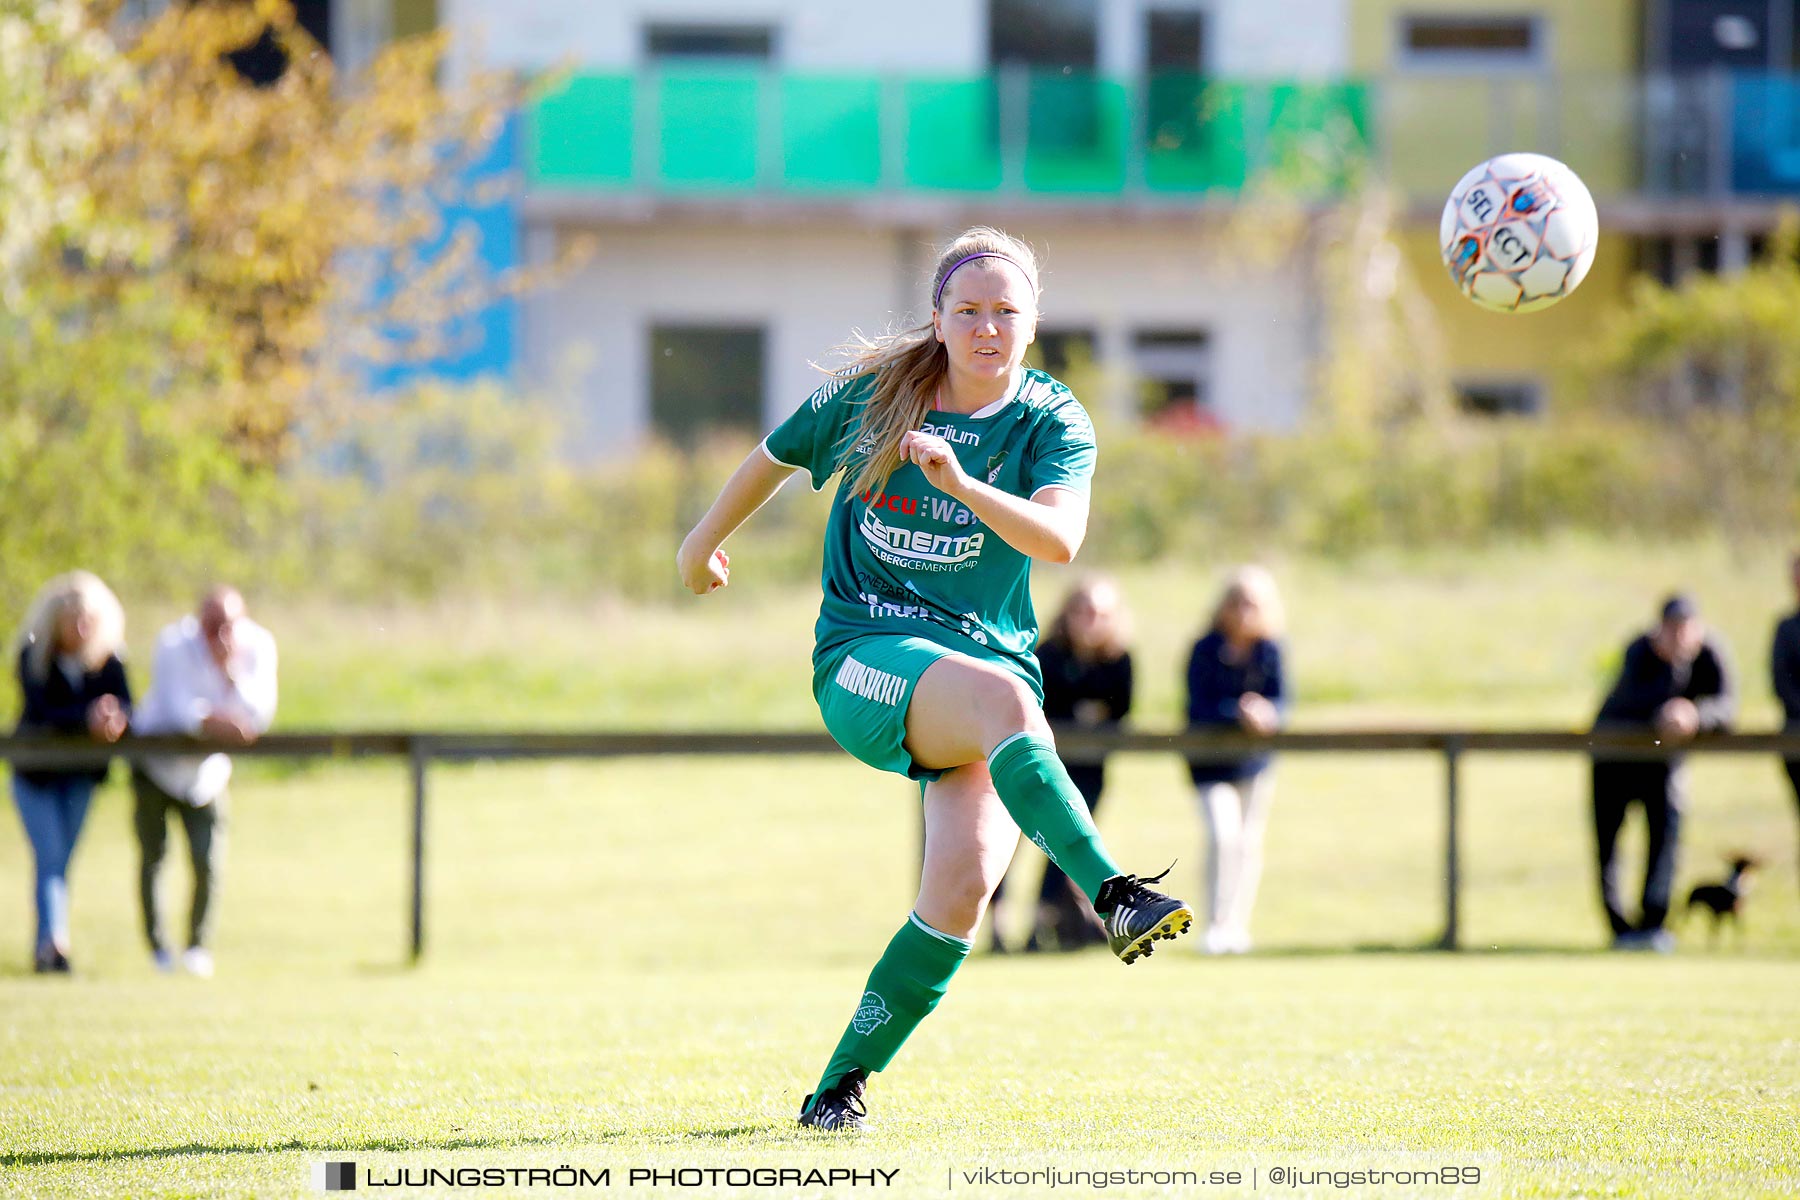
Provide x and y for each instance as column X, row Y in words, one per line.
column 1175, row 40
column 1044, row 33
column 753, row 42
column 1060, row 350
column 1451, row 42
column 1174, row 368
column 704, row 379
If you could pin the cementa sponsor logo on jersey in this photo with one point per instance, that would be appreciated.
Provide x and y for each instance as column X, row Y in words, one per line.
column 921, row 549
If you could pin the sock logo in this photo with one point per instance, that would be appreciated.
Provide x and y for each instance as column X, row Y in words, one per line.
column 1037, row 839
column 871, row 1014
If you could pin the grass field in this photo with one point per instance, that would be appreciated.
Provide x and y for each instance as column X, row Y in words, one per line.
column 642, row 964
column 1511, row 636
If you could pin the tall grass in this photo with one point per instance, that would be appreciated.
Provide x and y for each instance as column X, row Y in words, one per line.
column 1515, row 634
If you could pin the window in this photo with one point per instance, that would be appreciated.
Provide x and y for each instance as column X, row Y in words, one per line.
column 1051, row 47
column 1044, row 33
column 1059, row 350
column 1655, row 257
column 1174, row 41
column 1175, row 91
column 1672, row 259
column 1500, row 397
column 755, row 43
column 1456, row 43
column 705, row 378
column 1743, row 35
column 1173, row 366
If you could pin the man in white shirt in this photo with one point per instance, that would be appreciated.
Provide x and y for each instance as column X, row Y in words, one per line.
column 214, row 679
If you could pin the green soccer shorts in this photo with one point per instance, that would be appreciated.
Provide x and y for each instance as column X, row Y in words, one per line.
column 863, row 690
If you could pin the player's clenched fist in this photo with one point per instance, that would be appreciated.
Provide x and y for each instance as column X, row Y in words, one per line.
column 933, row 455
column 701, row 571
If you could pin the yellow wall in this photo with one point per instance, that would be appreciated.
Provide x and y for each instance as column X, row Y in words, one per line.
column 1543, row 345
column 1584, row 35
column 414, row 17
column 1433, row 124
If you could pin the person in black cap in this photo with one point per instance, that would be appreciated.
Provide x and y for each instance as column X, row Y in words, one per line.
column 1676, row 681
column 1784, row 667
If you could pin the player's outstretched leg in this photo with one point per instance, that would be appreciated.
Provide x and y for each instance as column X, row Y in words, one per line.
column 969, row 840
column 961, row 709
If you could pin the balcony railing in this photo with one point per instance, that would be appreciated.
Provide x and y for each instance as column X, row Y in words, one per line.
column 1715, row 136
column 719, row 130
column 714, row 129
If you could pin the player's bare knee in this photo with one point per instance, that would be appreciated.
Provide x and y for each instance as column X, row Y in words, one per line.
column 961, row 900
column 1006, row 706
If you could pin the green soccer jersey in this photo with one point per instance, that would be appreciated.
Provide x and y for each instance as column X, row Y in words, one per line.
column 912, row 561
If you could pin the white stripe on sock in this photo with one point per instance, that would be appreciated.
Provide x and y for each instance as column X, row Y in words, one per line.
column 1003, row 745
column 939, row 934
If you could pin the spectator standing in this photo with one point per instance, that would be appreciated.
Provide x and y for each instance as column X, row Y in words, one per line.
column 214, row 679
column 1087, row 684
column 1235, row 681
column 73, row 682
column 1785, row 668
column 1675, row 681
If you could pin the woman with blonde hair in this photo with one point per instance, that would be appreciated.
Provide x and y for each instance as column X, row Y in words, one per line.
column 956, row 466
column 1235, row 682
column 1086, row 660
column 72, row 682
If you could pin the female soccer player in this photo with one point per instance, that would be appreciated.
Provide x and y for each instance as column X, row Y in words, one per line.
column 957, row 467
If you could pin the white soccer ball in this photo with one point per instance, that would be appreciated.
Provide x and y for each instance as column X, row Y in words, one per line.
column 1519, row 233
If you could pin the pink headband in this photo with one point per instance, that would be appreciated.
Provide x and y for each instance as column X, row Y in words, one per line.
column 938, row 297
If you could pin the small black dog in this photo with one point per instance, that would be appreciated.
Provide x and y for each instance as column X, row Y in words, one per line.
column 1725, row 899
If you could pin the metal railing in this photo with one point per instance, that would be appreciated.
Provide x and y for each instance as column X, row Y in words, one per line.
column 420, row 748
column 724, row 131
column 698, row 130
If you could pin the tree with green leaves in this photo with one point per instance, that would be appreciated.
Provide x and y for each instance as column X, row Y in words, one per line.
column 186, row 263
column 1713, row 365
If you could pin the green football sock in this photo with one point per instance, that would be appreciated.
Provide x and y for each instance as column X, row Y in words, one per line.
column 902, row 990
column 1036, row 789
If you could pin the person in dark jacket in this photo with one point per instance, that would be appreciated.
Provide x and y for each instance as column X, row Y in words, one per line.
column 1675, row 680
column 1087, row 683
column 1784, row 668
column 1234, row 681
column 72, row 682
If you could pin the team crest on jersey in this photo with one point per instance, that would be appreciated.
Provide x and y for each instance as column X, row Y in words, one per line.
column 871, row 1014
column 995, row 462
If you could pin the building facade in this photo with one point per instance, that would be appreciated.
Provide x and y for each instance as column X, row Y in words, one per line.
column 760, row 177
